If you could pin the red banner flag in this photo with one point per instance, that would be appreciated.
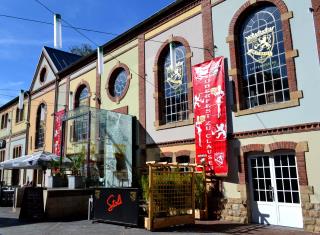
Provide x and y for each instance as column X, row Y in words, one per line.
column 209, row 100
column 58, row 131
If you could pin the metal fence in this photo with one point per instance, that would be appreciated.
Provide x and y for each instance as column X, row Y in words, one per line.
column 171, row 195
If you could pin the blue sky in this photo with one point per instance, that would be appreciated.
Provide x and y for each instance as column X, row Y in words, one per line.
column 21, row 41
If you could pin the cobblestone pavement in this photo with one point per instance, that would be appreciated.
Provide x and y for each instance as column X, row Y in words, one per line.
column 10, row 225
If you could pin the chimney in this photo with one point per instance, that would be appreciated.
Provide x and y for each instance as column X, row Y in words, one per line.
column 57, row 31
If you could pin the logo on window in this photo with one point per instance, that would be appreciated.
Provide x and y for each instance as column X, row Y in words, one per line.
column 260, row 44
column 175, row 75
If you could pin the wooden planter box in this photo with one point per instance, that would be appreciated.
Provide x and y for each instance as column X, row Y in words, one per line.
column 75, row 182
column 57, row 181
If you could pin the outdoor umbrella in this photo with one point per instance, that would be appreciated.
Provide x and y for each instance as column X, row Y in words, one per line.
column 37, row 160
column 44, row 159
column 17, row 163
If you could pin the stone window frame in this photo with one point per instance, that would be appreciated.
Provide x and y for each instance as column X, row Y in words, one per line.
column 158, row 88
column 19, row 117
column 4, row 120
column 299, row 149
column 36, row 145
column 111, row 78
column 166, row 155
column 17, row 151
column 81, row 84
column 43, row 74
column 290, row 53
column 2, row 155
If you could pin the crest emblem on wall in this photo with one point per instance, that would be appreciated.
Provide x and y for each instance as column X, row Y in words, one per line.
column 260, row 44
column 175, row 75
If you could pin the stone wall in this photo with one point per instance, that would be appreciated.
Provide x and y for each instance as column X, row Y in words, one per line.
column 234, row 209
column 310, row 211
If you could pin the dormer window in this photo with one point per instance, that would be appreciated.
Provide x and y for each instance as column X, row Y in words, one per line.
column 43, row 75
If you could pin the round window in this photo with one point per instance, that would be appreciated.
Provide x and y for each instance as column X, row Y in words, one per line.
column 43, row 74
column 118, row 84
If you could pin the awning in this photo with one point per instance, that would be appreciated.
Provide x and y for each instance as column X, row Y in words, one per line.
column 36, row 160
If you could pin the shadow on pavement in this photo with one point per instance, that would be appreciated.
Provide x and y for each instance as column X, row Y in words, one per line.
column 218, row 228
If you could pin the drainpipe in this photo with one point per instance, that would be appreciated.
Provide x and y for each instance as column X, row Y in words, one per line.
column 10, row 134
column 88, row 147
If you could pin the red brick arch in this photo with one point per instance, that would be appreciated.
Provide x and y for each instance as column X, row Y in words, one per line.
column 183, row 153
column 252, row 148
column 283, row 145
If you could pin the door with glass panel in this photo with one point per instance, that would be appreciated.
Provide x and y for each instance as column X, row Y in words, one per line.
column 274, row 189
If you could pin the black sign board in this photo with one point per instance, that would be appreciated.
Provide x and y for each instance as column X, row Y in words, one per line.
column 2, row 144
column 119, row 205
column 32, row 204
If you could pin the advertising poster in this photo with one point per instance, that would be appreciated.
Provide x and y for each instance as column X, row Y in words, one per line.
column 58, row 132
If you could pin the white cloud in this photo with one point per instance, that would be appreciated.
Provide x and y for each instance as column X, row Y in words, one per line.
column 23, row 42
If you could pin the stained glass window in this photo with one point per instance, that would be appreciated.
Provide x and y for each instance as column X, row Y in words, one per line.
column 120, row 83
column 175, row 84
column 262, row 55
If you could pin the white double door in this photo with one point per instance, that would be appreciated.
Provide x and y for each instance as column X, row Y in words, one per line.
column 274, row 189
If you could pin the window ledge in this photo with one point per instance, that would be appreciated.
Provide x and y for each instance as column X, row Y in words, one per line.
column 175, row 124
column 18, row 123
column 293, row 102
column 37, row 149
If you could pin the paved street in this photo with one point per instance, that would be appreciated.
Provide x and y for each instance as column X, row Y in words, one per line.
column 9, row 224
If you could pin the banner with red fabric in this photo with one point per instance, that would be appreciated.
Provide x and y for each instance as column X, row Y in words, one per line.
column 209, row 100
column 58, row 131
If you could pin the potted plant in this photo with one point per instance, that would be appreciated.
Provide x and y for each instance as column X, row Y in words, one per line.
column 76, row 180
column 200, row 197
column 57, row 177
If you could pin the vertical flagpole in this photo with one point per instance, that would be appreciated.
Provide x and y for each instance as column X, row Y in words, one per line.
column 100, row 60
column 172, row 62
column 21, row 96
column 70, row 101
column 57, row 31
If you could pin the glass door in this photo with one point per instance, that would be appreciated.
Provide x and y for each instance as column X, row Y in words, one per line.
column 274, row 190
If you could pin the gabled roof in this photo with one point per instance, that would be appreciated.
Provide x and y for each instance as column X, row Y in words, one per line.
column 61, row 59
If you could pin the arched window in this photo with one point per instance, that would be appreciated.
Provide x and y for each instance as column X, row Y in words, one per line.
column 80, row 126
column 82, row 97
column 262, row 57
column 173, row 96
column 40, row 124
